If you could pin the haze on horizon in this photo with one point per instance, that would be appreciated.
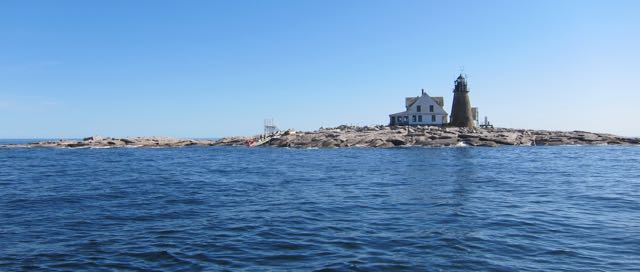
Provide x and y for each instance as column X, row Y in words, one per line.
column 217, row 68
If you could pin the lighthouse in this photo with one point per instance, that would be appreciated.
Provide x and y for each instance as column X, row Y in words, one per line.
column 461, row 114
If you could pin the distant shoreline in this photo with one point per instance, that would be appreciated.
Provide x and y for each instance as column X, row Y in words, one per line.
column 353, row 136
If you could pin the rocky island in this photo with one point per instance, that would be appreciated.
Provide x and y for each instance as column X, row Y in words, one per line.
column 392, row 136
column 368, row 136
column 98, row 141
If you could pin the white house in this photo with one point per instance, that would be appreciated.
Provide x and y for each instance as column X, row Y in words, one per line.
column 421, row 110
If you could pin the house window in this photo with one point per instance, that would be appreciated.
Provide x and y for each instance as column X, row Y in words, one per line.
column 406, row 119
column 433, row 118
column 419, row 108
column 419, row 118
column 430, row 108
column 413, row 118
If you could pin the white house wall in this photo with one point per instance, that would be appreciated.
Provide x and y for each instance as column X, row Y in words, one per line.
column 424, row 102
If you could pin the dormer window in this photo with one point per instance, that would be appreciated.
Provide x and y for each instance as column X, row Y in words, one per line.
column 419, row 108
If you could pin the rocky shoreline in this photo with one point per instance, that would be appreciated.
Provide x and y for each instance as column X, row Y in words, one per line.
column 98, row 141
column 384, row 136
column 375, row 136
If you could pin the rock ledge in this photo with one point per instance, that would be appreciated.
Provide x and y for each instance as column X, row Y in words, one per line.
column 375, row 136
column 384, row 136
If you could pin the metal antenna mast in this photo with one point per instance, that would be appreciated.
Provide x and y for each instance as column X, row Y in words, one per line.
column 269, row 126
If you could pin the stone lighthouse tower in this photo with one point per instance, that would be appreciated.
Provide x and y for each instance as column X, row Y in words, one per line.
column 461, row 115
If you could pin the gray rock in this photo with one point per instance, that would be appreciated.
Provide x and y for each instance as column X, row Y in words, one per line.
column 487, row 144
column 77, row 144
column 467, row 136
column 330, row 143
column 127, row 141
column 93, row 138
column 374, row 136
column 397, row 142
column 444, row 142
column 376, row 143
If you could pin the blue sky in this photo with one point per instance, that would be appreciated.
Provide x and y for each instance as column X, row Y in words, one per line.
column 218, row 68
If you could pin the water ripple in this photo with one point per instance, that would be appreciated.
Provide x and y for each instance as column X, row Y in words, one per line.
column 405, row 209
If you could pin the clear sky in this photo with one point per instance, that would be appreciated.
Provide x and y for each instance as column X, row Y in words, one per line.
column 218, row 68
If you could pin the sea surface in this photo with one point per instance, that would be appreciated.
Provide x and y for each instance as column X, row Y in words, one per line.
column 571, row 208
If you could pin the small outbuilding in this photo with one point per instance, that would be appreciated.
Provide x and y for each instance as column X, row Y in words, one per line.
column 421, row 110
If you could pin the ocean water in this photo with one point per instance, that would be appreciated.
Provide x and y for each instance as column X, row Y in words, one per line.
column 360, row 209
